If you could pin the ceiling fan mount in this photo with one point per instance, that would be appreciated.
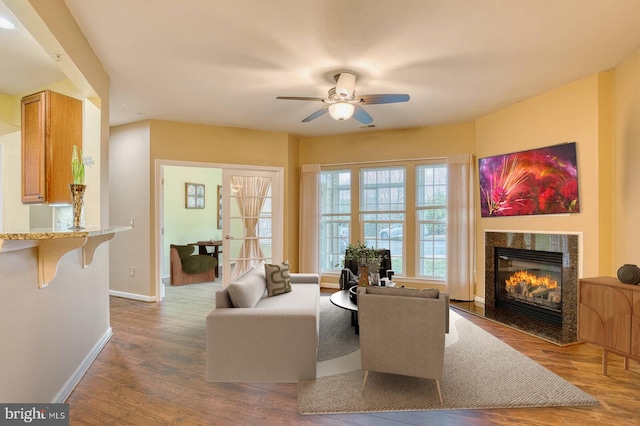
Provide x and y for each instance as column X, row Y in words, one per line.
column 342, row 102
column 334, row 97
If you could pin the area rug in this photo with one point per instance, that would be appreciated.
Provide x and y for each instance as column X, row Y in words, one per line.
column 337, row 336
column 480, row 372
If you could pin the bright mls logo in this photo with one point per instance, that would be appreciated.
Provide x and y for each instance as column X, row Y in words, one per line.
column 39, row 414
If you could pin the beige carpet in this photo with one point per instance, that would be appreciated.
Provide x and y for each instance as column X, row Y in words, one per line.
column 337, row 336
column 480, row 372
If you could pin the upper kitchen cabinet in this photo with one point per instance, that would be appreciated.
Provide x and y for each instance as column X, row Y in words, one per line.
column 51, row 125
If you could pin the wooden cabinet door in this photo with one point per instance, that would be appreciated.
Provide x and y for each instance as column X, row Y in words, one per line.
column 64, row 129
column 51, row 126
column 605, row 316
column 33, row 148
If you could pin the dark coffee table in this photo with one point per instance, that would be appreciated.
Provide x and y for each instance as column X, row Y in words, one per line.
column 341, row 299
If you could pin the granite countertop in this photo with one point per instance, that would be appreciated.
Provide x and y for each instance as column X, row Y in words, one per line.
column 51, row 234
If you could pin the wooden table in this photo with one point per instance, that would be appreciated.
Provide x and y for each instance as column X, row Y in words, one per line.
column 202, row 249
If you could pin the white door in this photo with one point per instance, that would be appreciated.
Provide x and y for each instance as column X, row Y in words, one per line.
column 252, row 219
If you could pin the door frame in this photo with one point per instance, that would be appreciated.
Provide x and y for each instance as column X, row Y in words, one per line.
column 159, row 206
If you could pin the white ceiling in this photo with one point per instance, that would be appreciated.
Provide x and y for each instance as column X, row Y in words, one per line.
column 223, row 62
column 24, row 65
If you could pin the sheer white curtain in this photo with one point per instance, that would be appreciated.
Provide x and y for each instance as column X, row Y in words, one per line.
column 309, row 218
column 252, row 191
column 460, row 228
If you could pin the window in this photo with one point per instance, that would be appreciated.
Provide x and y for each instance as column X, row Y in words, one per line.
column 431, row 215
column 401, row 207
column 383, row 210
column 335, row 216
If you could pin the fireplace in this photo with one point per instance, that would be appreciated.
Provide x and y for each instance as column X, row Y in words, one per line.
column 529, row 283
column 553, row 315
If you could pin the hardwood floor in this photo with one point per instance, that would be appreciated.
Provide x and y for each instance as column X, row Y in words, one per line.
column 152, row 372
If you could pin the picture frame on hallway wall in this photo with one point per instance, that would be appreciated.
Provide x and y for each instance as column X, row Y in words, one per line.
column 194, row 195
column 534, row 182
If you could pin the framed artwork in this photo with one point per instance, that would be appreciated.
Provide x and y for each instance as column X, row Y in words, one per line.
column 194, row 195
column 538, row 181
column 219, row 209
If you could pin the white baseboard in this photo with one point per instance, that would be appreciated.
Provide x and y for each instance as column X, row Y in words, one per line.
column 133, row 296
column 77, row 375
column 479, row 299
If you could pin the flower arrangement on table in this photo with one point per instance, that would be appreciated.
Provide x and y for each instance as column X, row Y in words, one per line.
column 367, row 258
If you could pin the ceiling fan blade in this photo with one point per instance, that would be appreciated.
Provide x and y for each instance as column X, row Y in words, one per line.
column 361, row 115
column 299, row 98
column 382, row 99
column 315, row 115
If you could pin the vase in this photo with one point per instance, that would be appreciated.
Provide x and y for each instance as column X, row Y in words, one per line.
column 363, row 280
column 77, row 202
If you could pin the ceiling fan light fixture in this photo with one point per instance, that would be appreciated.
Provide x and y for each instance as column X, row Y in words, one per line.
column 341, row 111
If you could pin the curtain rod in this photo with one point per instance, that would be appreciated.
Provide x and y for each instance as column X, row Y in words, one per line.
column 355, row 163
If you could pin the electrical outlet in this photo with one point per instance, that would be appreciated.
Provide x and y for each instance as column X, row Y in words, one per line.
column 131, row 222
column 132, row 272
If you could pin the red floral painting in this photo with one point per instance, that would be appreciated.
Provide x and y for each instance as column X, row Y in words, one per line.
column 539, row 181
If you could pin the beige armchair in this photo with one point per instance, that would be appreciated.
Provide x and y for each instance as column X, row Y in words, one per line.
column 402, row 331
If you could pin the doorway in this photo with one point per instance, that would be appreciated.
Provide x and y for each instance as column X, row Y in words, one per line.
column 184, row 221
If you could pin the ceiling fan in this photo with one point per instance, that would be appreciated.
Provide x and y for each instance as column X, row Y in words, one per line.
column 342, row 102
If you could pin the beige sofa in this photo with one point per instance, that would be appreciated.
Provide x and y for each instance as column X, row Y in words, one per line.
column 275, row 340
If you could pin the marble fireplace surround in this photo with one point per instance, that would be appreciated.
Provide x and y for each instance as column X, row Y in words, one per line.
column 569, row 245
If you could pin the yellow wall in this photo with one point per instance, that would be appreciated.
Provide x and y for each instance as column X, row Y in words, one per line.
column 627, row 161
column 9, row 122
column 15, row 215
column 574, row 112
column 605, row 173
column 389, row 144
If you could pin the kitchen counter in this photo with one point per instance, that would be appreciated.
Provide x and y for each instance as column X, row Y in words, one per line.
column 54, row 243
column 48, row 233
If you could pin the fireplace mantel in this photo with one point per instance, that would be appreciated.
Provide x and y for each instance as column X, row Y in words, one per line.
column 566, row 243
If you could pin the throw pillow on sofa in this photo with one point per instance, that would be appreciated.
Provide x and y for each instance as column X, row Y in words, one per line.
column 246, row 290
column 278, row 279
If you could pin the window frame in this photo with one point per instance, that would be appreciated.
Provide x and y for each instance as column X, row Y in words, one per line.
column 337, row 258
column 410, row 244
column 364, row 213
column 431, row 222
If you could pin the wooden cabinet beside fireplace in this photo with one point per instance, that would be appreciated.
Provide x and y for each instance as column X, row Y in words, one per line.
column 609, row 316
column 51, row 125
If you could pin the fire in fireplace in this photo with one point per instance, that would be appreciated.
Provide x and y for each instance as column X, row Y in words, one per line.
column 529, row 282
